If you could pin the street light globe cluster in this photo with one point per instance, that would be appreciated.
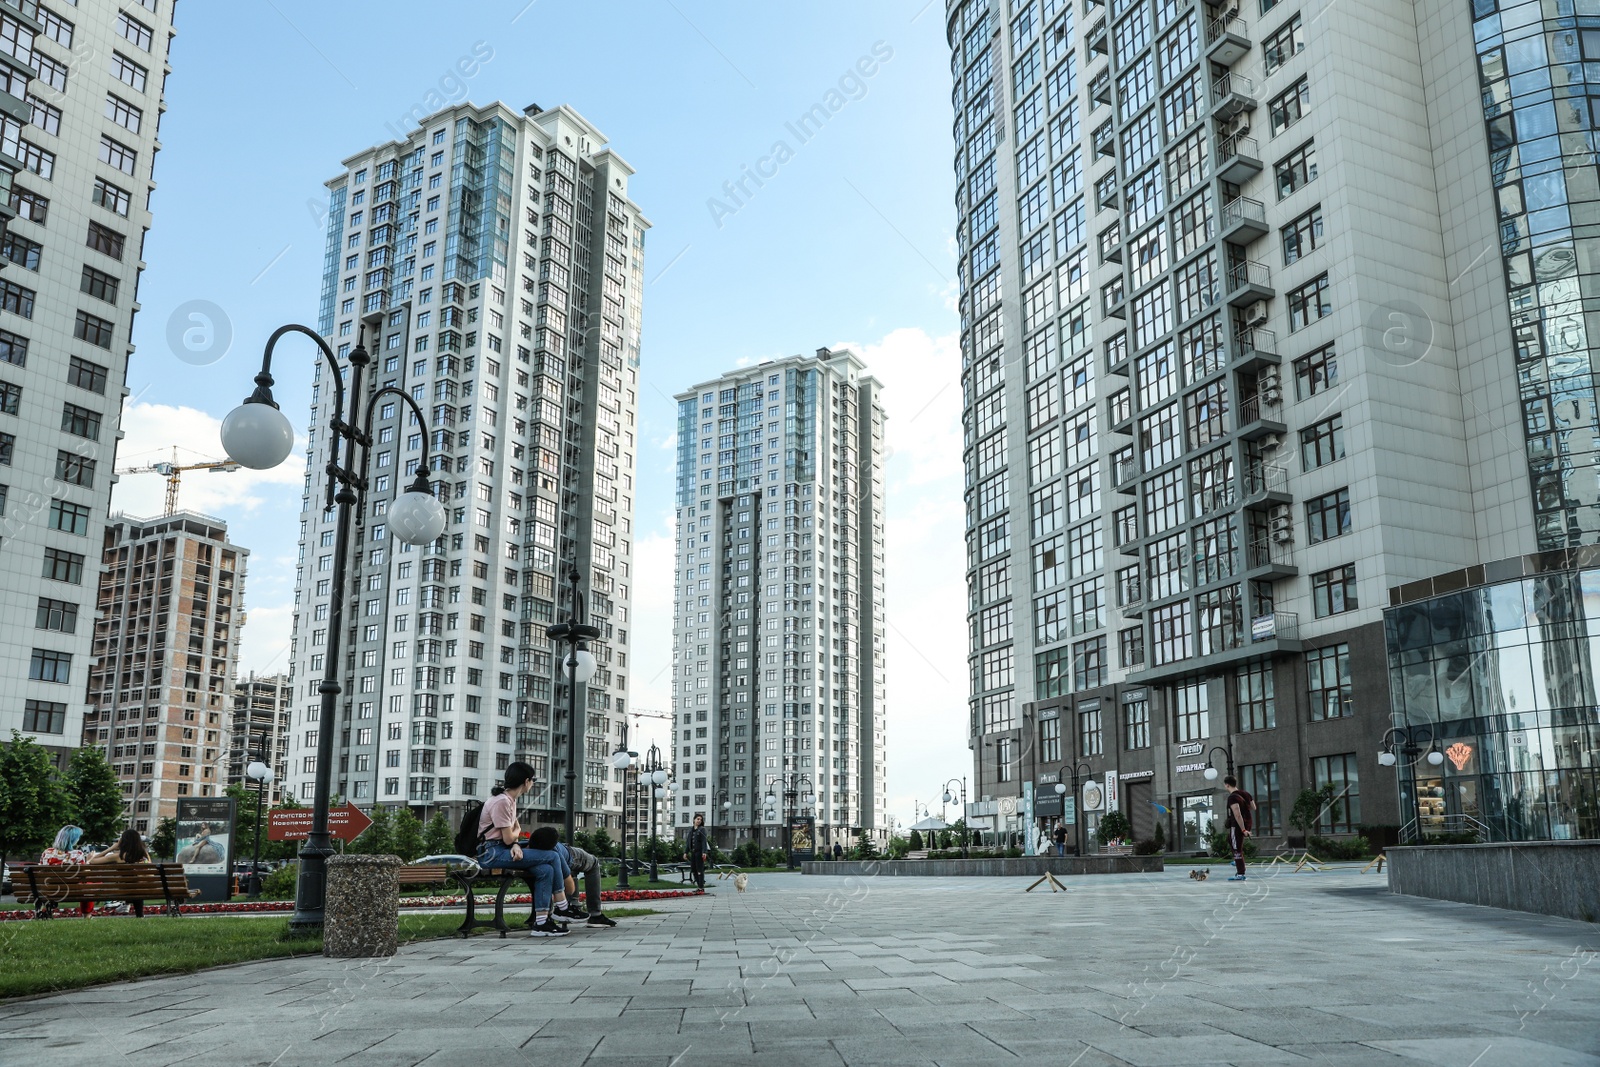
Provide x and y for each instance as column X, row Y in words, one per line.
column 259, row 772
column 585, row 663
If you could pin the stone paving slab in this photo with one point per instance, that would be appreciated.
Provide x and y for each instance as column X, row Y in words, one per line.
column 1143, row 970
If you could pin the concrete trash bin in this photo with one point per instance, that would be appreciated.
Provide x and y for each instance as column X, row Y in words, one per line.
column 362, row 914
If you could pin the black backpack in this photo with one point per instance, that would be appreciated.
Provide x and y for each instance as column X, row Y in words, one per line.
column 467, row 836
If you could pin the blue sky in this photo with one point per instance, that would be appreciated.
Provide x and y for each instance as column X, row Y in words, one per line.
column 850, row 242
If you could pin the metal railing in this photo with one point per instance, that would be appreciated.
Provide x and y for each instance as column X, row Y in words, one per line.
column 1243, row 209
column 1232, row 84
column 1266, row 478
column 1250, row 272
column 1265, row 552
column 1231, row 23
column 1255, row 340
column 1238, row 145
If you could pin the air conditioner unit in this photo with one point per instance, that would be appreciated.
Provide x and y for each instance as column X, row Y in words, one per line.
column 1281, row 513
column 1270, row 442
column 1283, row 536
column 1256, row 314
column 1237, row 125
column 1271, row 387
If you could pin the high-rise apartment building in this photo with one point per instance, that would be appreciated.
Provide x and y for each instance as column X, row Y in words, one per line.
column 166, row 646
column 80, row 104
column 493, row 262
column 1256, row 341
column 779, row 624
column 259, row 730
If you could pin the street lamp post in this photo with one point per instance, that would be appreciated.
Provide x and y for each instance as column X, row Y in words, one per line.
column 654, row 775
column 1411, row 740
column 791, row 795
column 950, row 796
column 726, row 808
column 257, row 435
column 580, row 664
column 1079, row 770
column 1211, row 769
column 260, row 772
column 621, row 760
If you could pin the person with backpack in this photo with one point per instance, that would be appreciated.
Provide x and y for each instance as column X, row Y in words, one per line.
column 496, row 847
column 1240, row 821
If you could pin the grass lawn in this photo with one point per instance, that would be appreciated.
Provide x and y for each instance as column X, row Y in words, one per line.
column 62, row 954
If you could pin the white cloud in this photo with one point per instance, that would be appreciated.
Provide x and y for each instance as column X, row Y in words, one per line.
column 151, row 430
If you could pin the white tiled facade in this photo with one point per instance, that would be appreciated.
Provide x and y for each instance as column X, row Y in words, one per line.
column 1238, row 361
column 779, row 618
column 79, row 111
column 495, row 261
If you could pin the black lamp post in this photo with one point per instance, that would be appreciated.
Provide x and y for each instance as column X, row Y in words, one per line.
column 726, row 808
column 260, row 772
column 1411, row 740
column 580, row 665
column 1227, row 753
column 257, row 435
column 950, row 795
column 791, row 795
column 1079, row 770
column 621, row 760
column 653, row 775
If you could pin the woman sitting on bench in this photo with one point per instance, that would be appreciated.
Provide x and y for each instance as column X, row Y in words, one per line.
column 128, row 849
column 498, row 831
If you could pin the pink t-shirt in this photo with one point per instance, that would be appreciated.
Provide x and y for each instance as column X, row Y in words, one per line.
column 499, row 812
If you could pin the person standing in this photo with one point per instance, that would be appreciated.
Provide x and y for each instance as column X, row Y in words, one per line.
column 1239, row 823
column 838, row 851
column 699, row 849
column 1060, row 838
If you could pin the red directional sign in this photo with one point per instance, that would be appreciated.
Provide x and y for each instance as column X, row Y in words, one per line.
column 292, row 824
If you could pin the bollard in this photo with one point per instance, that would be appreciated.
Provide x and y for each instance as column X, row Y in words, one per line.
column 362, row 916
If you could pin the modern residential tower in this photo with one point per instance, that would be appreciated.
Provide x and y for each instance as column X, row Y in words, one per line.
column 80, row 105
column 1272, row 311
column 492, row 264
column 779, row 631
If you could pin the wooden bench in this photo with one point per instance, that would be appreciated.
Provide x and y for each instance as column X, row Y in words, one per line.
column 468, row 878
column 47, row 885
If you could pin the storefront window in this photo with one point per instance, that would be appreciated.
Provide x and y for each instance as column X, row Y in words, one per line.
column 1343, row 815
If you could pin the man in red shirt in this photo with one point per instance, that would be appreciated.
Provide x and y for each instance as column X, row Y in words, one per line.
column 1240, row 821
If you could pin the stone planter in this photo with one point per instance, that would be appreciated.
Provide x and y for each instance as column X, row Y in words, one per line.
column 362, row 915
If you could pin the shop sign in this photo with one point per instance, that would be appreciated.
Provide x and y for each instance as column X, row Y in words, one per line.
column 1089, row 705
column 1128, row 776
column 1263, row 627
column 1459, row 754
column 1184, row 768
column 1049, row 713
column 1133, row 694
column 1050, row 779
column 1111, row 791
column 1191, row 748
column 1093, row 795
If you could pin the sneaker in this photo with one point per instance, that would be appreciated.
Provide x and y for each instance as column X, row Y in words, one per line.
column 549, row 928
column 1236, row 878
column 600, row 920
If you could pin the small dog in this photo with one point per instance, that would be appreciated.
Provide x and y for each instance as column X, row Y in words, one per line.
column 1200, row 874
column 740, row 881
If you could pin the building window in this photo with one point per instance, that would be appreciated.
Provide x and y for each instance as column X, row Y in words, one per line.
column 1089, row 664
column 1296, row 170
column 123, row 113
column 105, row 240
column 69, row 518
column 37, row 159
column 1089, row 743
column 1334, row 591
column 114, row 153
column 1135, row 724
column 1050, row 673
column 10, row 398
column 8, row 447
column 1302, row 236
column 16, row 299
column 1328, row 678
column 1328, row 516
column 1254, row 694
column 56, row 28
column 997, row 713
column 1006, row 756
column 93, row 329
column 21, row 251
column 111, row 197
column 44, row 717
column 87, row 375
column 1130, row 643
column 1050, row 740
column 1192, row 712
column 49, row 666
column 58, row 615
column 1343, row 815
column 30, row 206
column 46, row 117
column 1286, row 109
column 99, row 284
column 1309, row 303
column 1315, row 372
column 134, row 30
column 1288, row 42
column 62, row 566
column 1321, row 443
column 50, row 72
column 1260, row 780
column 84, row 422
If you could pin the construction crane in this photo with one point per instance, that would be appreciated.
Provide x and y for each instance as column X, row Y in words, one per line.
column 173, row 473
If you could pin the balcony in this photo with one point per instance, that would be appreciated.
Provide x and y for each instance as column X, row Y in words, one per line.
column 1100, row 87
column 1266, row 485
column 1126, row 476
column 1111, row 244
column 1105, row 192
column 1114, row 300
column 1119, row 412
column 1105, row 140
column 1253, row 423
column 1249, row 282
column 1098, row 39
column 1130, row 598
column 1209, row 501
column 1278, row 626
column 1255, row 347
column 1238, row 159
column 1243, row 220
column 1227, row 39
column 1231, row 95
column 1268, row 560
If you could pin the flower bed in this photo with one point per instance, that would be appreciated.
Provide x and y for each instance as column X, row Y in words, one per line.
column 244, row 907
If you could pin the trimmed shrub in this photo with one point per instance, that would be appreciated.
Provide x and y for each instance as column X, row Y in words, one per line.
column 1335, row 848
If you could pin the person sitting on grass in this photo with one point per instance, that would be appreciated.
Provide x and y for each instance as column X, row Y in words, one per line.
column 498, row 834
column 578, row 861
column 128, row 849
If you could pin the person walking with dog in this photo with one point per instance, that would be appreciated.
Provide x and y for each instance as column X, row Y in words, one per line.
column 1239, row 823
column 699, row 848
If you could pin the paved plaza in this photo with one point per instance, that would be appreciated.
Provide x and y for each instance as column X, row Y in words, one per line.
column 1125, row 969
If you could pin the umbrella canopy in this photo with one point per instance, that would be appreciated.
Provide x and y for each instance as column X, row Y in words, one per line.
column 931, row 823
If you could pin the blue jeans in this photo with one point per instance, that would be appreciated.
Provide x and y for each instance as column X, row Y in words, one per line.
column 548, row 868
column 1061, row 849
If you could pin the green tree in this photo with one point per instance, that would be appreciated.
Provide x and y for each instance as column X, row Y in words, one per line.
column 580, row 839
column 916, row 841
column 959, row 833
column 375, row 840
column 437, row 837
column 1310, row 805
column 1114, row 827
column 165, row 839
column 405, row 835
column 601, row 844
column 865, row 849
column 95, row 796
column 32, row 804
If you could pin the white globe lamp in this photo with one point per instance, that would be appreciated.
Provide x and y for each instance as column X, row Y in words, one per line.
column 257, row 435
